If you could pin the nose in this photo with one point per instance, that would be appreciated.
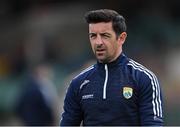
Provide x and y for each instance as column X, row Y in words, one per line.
column 99, row 40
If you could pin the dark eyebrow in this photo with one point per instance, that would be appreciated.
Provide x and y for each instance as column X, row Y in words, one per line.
column 102, row 34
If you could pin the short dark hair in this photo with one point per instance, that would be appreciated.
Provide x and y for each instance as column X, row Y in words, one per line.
column 107, row 15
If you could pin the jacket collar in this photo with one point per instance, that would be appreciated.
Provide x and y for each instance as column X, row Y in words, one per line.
column 119, row 61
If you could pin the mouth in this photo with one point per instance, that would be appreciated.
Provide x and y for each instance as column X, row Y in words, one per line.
column 100, row 52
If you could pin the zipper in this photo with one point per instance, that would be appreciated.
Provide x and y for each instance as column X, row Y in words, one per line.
column 105, row 81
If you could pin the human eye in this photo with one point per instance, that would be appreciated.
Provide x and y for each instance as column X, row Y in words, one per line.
column 106, row 35
column 92, row 35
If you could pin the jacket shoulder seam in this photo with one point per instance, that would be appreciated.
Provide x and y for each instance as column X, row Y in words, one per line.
column 84, row 71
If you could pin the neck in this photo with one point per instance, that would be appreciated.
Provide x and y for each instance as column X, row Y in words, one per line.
column 117, row 55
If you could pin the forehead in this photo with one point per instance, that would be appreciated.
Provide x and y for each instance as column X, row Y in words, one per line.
column 100, row 27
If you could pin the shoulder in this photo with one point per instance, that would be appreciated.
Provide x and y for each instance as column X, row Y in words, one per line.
column 84, row 72
column 140, row 73
column 82, row 76
column 138, row 67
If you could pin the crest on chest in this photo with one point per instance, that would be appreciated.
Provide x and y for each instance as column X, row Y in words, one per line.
column 127, row 92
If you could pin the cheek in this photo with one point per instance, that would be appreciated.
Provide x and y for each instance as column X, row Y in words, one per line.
column 113, row 48
column 92, row 46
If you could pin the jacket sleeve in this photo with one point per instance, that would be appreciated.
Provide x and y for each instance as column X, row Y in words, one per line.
column 150, row 100
column 72, row 115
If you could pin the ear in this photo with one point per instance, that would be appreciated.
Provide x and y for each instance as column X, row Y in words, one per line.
column 122, row 37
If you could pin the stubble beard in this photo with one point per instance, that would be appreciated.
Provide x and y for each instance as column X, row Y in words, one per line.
column 102, row 58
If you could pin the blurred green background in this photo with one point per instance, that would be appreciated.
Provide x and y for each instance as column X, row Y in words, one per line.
column 54, row 31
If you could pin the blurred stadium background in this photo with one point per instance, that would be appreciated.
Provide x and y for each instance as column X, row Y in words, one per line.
column 54, row 31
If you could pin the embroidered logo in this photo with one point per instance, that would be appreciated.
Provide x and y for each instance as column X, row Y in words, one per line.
column 127, row 92
column 87, row 96
column 84, row 83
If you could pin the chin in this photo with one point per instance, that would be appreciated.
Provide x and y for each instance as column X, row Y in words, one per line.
column 102, row 60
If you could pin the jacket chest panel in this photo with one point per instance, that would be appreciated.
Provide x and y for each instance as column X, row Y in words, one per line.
column 119, row 94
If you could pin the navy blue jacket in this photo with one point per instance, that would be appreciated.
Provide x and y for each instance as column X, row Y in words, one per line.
column 122, row 92
column 32, row 107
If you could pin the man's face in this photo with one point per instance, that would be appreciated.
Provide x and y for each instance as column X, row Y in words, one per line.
column 104, row 42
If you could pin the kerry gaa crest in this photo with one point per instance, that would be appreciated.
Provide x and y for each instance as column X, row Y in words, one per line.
column 127, row 92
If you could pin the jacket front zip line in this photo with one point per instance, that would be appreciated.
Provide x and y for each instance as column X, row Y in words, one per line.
column 105, row 81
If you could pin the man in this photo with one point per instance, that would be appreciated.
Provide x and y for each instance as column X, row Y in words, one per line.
column 117, row 90
column 36, row 104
